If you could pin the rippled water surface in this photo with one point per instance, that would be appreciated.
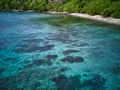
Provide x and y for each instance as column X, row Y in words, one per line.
column 58, row 52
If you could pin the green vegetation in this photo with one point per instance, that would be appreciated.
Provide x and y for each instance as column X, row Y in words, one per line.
column 107, row 8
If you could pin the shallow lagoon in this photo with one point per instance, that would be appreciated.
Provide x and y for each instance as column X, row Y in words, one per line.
column 58, row 52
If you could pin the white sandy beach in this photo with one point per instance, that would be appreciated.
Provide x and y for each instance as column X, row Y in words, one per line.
column 95, row 17
column 54, row 12
column 98, row 18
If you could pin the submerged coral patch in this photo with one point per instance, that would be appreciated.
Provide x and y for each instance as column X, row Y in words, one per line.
column 72, row 59
column 2, row 41
column 2, row 44
column 46, row 47
column 63, row 69
column 19, row 82
column 33, row 49
column 23, row 45
column 51, row 56
column 65, row 83
column 61, row 37
column 2, row 70
column 26, row 50
column 116, row 69
column 9, row 59
column 28, row 64
column 39, row 62
column 70, row 51
column 28, row 43
column 96, row 82
column 33, row 40
column 48, row 62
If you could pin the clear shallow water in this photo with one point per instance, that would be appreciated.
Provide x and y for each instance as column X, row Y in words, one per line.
column 54, row 52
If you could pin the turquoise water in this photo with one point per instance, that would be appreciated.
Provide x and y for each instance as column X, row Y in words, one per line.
column 57, row 52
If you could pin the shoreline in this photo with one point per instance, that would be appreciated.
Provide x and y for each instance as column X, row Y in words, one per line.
column 100, row 18
column 54, row 12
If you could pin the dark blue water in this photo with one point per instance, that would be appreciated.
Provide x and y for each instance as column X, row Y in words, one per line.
column 57, row 52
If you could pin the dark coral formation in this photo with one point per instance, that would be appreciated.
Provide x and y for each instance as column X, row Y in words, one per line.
column 13, row 82
column 48, row 62
column 51, row 56
column 46, row 47
column 23, row 45
column 97, row 82
column 3, row 43
column 34, row 48
column 2, row 70
column 26, row 50
column 28, row 65
column 64, row 83
column 38, row 62
column 61, row 37
column 33, row 40
column 73, row 83
column 10, row 59
column 116, row 69
column 70, row 51
column 64, row 69
column 73, row 59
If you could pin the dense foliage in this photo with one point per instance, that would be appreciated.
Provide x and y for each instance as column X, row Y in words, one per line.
column 102, row 7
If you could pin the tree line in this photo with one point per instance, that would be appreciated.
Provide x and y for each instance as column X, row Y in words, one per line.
column 107, row 8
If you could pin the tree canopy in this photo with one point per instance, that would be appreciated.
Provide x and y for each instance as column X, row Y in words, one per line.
column 107, row 8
